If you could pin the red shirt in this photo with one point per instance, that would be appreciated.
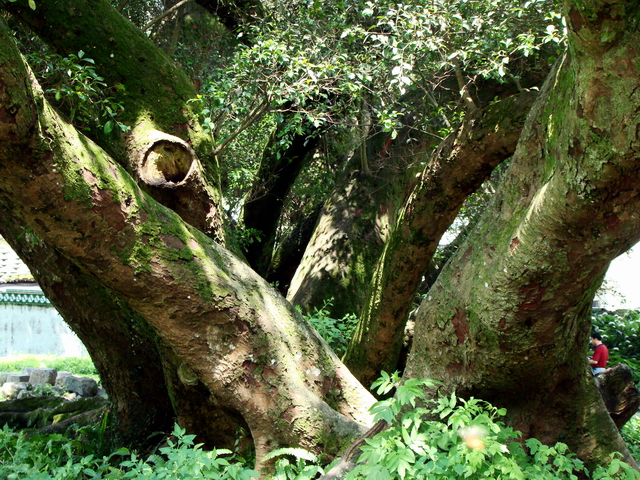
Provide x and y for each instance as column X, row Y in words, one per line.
column 600, row 355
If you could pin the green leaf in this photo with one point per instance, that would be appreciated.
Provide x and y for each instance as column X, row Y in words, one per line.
column 32, row 4
column 108, row 127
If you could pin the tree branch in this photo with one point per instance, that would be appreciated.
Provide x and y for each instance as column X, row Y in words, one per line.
column 165, row 14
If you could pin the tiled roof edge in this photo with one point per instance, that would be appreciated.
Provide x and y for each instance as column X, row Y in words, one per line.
column 21, row 298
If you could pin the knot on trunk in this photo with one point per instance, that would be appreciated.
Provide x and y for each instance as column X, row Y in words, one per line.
column 167, row 161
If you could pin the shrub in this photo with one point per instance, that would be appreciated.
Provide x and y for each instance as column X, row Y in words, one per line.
column 336, row 332
column 75, row 365
column 52, row 458
column 455, row 438
column 448, row 438
column 631, row 434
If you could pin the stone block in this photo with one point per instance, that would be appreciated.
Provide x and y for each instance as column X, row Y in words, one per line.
column 3, row 378
column 83, row 386
column 17, row 378
column 43, row 375
column 62, row 374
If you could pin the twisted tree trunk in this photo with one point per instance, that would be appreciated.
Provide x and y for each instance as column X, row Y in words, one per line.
column 229, row 329
column 509, row 319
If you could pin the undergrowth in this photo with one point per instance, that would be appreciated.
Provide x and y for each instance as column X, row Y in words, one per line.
column 447, row 438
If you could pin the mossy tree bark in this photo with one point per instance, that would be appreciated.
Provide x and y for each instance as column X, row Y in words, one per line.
column 230, row 330
column 128, row 363
column 459, row 166
column 509, row 319
column 353, row 226
column 166, row 150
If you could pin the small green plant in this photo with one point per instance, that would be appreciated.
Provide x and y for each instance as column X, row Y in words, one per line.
column 53, row 457
column 73, row 84
column 631, row 435
column 299, row 469
column 451, row 438
column 336, row 332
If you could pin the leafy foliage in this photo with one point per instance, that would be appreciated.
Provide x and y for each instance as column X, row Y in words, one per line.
column 631, row 434
column 53, row 457
column 448, row 438
column 452, row 438
column 73, row 85
column 337, row 332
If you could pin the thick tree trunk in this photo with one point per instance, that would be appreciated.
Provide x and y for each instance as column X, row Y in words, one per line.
column 509, row 319
column 130, row 358
column 230, row 329
column 166, row 150
column 290, row 251
column 353, row 226
column 619, row 393
column 461, row 164
column 120, row 344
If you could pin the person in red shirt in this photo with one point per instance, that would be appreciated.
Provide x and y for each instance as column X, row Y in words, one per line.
column 598, row 360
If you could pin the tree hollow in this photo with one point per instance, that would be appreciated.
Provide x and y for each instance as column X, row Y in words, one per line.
column 167, row 162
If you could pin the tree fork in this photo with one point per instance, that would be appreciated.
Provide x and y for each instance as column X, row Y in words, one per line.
column 233, row 332
column 462, row 162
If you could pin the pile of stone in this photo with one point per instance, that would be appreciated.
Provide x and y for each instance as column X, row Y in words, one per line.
column 34, row 381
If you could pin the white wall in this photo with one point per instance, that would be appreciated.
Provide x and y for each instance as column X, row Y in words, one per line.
column 36, row 329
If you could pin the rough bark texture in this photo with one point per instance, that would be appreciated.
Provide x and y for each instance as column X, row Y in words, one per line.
column 513, row 307
column 128, row 362
column 229, row 328
column 353, row 226
column 459, row 166
column 166, row 150
column 132, row 362
column 290, row 251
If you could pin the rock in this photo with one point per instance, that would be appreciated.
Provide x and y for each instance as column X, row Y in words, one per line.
column 102, row 393
column 29, row 404
column 43, row 375
column 619, row 392
column 28, row 370
column 17, row 378
column 83, row 386
column 60, row 378
column 42, row 411
column 57, row 391
column 11, row 390
column 3, row 378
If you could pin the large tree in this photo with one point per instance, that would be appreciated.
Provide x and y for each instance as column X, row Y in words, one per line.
column 135, row 221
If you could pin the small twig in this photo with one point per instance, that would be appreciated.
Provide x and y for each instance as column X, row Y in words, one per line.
column 122, row 4
column 165, row 13
column 253, row 116
column 464, row 91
